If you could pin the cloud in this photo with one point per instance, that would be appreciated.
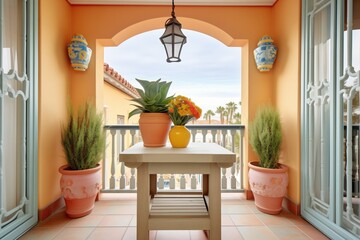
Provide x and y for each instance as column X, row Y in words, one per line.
column 209, row 72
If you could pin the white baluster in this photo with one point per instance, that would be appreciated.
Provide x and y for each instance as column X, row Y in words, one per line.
column 233, row 179
column 204, row 132
column 122, row 177
column 224, row 137
column 122, row 166
column 172, row 181
column 223, row 179
column 193, row 181
column 241, row 154
column 132, row 179
column 182, row 182
column 233, row 132
column 132, row 133
column 112, row 166
column 213, row 134
column 193, row 134
column 161, row 182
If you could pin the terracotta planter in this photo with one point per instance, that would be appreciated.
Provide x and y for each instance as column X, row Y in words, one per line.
column 79, row 189
column 268, row 186
column 154, row 128
column 179, row 137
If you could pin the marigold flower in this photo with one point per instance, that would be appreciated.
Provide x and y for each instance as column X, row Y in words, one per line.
column 182, row 110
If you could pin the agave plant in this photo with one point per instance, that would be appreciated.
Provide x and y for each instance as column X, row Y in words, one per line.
column 153, row 98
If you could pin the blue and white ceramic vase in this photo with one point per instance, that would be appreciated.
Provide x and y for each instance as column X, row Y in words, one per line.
column 265, row 54
column 79, row 53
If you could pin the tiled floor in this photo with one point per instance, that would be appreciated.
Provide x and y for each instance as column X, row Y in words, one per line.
column 114, row 218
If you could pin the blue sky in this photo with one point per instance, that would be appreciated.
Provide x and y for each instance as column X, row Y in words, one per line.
column 209, row 72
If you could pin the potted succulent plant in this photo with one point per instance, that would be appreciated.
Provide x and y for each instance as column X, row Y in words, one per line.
column 268, row 178
column 154, row 122
column 83, row 141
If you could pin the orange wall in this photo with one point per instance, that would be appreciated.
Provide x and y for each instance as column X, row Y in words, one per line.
column 54, row 77
column 110, row 25
column 287, row 36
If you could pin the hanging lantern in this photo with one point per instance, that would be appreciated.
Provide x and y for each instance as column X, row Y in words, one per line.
column 173, row 39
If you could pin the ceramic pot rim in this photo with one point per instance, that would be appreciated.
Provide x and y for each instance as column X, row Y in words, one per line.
column 255, row 166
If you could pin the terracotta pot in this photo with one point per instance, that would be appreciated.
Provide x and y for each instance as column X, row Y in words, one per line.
column 79, row 189
column 268, row 186
column 179, row 136
column 154, row 128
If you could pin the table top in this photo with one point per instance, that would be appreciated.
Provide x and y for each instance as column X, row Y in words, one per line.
column 194, row 153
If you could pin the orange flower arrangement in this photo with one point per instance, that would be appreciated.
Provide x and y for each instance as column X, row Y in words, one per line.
column 181, row 110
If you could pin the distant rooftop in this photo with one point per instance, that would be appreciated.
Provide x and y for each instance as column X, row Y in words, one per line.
column 115, row 79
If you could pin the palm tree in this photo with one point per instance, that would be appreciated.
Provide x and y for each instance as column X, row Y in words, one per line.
column 237, row 117
column 208, row 114
column 221, row 111
column 226, row 115
column 231, row 107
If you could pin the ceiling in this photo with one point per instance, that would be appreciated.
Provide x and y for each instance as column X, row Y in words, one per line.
column 177, row 2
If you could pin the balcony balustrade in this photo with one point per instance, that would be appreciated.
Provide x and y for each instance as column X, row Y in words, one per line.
column 117, row 178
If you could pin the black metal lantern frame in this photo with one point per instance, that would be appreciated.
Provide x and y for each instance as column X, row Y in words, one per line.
column 173, row 39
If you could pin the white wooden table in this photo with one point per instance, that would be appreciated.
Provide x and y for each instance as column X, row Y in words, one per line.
column 178, row 212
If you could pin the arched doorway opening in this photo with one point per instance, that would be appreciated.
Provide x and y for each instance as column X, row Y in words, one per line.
column 191, row 24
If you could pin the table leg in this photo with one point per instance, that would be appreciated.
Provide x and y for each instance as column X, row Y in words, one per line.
column 205, row 184
column 153, row 185
column 215, row 202
column 143, row 202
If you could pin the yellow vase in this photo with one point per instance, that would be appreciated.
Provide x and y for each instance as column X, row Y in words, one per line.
column 179, row 136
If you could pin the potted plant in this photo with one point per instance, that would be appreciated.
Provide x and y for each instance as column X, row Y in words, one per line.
column 154, row 122
column 181, row 111
column 268, row 178
column 83, row 141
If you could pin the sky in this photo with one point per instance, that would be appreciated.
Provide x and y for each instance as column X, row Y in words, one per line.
column 209, row 71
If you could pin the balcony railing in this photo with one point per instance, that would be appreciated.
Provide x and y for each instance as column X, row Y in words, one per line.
column 117, row 178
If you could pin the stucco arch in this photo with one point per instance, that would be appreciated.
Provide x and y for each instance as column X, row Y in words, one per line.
column 187, row 23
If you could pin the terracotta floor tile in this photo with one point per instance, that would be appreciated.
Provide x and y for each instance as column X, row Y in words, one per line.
column 173, row 235
column 296, row 220
column 88, row 221
column 115, row 221
column 230, row 233
column 271, row 220
column 226, row 220
column 58, row 220
column 312, row 232
column 114, row 217
column 232, row 208
column 288, row 233
column 246, row 220
column 198, row 235
column 42, row 233
column 108, row 233
column 74, row 234
column 256, row 233
column 133, row 222
column 115, row 209
column 254, row 209
column 130, row 234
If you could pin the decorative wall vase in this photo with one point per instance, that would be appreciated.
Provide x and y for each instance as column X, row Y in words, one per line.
column 268, row 186
column 79, row 53
column 154, row 129
column 265, row 54
column 80, row 189
column 179, row 136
